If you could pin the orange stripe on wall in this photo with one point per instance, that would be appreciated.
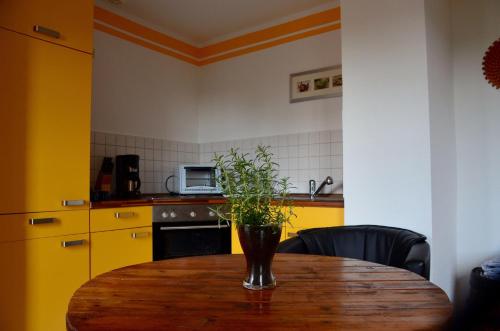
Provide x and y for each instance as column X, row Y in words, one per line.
column 143, row 43
column 271, row 44
column 307, row 22
column 237, row 46
column 144, row 32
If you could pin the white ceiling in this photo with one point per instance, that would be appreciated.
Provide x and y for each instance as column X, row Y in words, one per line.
column 204, row 21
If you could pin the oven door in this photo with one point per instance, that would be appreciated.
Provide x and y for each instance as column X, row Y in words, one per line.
column 178, row 239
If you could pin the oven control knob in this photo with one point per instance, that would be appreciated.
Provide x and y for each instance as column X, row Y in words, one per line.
column 192, row 214
column 211, row 214
column 164, row 215
column 173, row 214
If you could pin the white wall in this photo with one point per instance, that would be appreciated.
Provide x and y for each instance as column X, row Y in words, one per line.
column 443, row 146
column 140, row 92
column 248, row 96
column 428, row 105
column 387, row 174
column 476, row 25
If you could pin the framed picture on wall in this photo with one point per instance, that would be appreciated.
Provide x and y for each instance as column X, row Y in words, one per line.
column 316, row 84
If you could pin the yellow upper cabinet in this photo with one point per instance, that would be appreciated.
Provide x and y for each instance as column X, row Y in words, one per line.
column 45, row 118
column 65, row 22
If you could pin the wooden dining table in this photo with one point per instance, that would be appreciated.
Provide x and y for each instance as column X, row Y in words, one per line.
column 206, row 293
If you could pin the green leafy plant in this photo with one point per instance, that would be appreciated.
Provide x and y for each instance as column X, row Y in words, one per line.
column 255, row 194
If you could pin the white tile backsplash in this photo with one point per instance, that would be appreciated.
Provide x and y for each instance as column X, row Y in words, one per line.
column 301, row 157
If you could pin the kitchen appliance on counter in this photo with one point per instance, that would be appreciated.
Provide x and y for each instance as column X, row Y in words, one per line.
column 128, row 183
column 188, row 230
column 103, row 183
column 198, row 179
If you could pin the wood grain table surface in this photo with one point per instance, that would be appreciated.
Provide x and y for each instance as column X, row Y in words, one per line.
column 312, row 293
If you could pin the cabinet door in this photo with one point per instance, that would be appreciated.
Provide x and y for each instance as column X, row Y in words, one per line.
column 235, row 240
column 72, row 20
column 115, row 249
column 37, row 280
column 314, row 217
column 45, row 117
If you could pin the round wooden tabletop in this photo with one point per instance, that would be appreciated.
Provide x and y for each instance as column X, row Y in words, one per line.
column 313, row 293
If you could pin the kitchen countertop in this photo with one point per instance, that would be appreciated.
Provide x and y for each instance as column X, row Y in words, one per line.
column 299, row 200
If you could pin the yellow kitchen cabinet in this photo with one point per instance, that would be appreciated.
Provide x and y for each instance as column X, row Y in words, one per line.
column 41, row 225
column 45, row 117
column 120, row 248
column 235, row 241
column 307, row 218
column 106, row 219
column 38, row 279
column 68, row 23
column 314, row 217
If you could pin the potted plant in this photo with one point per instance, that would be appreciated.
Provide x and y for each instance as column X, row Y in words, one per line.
column 258, row 206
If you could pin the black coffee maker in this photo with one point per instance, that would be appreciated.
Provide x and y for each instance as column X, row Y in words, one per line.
column 128, row 182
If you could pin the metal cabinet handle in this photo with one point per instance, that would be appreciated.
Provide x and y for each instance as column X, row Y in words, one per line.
column 72, row 203
column 71, row 243
column 36, row 221
column 46, row 31
column 136, row 235
column 292, row 234
column 167, row 228
column 128, row 214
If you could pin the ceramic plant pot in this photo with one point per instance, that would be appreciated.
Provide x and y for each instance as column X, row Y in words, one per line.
column 259, row 244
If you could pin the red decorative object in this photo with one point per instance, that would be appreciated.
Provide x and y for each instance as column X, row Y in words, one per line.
column 491, row 64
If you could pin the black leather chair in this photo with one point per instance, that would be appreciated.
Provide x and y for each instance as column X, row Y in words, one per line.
column 380, row 244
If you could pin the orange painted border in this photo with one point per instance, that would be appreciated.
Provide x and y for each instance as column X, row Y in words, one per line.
column 270, row 44
column 125, row 24
column 248, row 39
column 233, row 47
column 143, row 43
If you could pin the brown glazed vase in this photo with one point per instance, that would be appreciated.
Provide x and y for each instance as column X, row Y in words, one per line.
column 259, row 244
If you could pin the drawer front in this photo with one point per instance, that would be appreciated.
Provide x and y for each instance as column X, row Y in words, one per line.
column 120, row 218
column 110, row 250
column 63, row 22
column 41, row 225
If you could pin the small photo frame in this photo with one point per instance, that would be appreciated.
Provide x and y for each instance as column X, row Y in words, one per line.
column 316, row 84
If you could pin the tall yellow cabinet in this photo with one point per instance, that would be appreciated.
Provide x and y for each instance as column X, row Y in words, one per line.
column 45, row 86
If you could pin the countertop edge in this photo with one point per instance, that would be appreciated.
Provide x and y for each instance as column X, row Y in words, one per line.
column 207, row 201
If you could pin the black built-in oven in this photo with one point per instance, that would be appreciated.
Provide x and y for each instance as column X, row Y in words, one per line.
column 188, row 230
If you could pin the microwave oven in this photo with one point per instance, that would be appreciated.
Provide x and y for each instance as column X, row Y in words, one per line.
column 199, row 179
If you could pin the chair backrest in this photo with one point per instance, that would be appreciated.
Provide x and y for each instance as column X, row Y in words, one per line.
column 379, row 244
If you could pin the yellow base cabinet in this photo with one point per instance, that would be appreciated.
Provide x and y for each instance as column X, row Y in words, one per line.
column 235, row 241
column 314, row 217
column 45, row 117
column 120, row 237
column 120, row 248
column 38, row 279
column 307, row 218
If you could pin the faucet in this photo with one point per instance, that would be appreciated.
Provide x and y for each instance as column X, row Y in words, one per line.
column 312, row 186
